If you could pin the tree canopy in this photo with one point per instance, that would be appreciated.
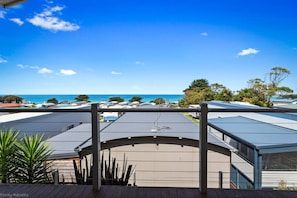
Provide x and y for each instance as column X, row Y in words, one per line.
column 82, row 98
column 116, row 98
column 53, row 100
column 11, row 99
column 136, row 99
column 258, row 92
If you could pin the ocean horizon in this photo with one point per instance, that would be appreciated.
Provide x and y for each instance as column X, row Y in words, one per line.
column 42, row 98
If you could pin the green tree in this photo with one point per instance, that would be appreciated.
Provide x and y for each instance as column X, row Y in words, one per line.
column 224, row 95
column 159, row 101
column 82, row 98
column 116, row 98
column 197, row 85
column 53, row 100
column 199, row 91
column 8, row 139
column 136, row 99
column 11, row 99
column 251, row 96
column 276, row 76
column 31, row 164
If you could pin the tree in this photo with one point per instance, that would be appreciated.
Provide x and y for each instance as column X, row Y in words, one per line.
column 8, row 139
column 276, row 76
column 251, row 96
column 116, row 98
column 31, row 156
column 52, row 100
column 283, row 91
column 198, row 85
column 82, row 98
column 12, row 99
column 224, row 95
column 159, row 101
column 135, row 99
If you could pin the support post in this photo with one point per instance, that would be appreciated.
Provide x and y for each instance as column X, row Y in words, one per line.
column 203, row 149
column 95, row 148
column 257, row 170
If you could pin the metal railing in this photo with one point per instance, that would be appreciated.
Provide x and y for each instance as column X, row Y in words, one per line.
column 203, row 112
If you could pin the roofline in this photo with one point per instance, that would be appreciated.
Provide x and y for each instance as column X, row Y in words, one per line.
column 154, row 140
column 233, row 136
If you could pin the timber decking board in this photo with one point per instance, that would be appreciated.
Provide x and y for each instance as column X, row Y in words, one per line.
column 81, row 191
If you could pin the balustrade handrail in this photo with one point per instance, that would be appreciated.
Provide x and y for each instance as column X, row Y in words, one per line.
column 209, row 110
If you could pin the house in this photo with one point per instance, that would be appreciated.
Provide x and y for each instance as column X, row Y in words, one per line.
column 265, row 145
column 164, row 149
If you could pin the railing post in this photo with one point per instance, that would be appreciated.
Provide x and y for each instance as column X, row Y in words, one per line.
column 203, row 149
column 95, row 148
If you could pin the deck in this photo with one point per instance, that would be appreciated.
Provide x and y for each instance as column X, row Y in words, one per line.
column 80, row 191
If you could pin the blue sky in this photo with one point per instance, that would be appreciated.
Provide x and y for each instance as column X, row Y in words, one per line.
column 143, row 47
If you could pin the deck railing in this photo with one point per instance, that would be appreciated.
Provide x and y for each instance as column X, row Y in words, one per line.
column 203, row 112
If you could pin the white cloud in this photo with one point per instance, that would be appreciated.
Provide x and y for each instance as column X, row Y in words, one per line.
column 67, row 72
column 115, row 73
column 27, row 67
column 2, row 60
column 204, row 34
column 139, row 63
column 248, row 51
column 17, row 21
column 45, row 71
column 21, row 66
column 2, row 13
column 47, row 20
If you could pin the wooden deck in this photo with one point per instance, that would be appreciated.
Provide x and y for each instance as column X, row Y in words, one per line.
column 81, row 191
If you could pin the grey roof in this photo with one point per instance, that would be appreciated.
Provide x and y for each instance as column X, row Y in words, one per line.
column 64, row 144
column 157, row 124
column 50, row 124
column 260, row 135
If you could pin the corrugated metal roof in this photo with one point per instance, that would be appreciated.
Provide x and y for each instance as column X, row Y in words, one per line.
column 257, row 134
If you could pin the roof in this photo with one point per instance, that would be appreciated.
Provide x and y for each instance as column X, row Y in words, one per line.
column 153, row 124
column 64, row 144
column 8, row 3
column 265, row 137
column 9, row 105
column 50, row 124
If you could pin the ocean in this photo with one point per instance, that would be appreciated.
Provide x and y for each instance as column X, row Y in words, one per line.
column 39, row 99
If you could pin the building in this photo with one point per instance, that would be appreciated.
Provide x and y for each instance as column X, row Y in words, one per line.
column 265, row 145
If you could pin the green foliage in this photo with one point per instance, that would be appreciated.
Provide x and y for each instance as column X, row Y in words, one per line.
column 136, row 99
column 53, row 100
column 8, row 139
column 251, row 96
column 110, row 172
column 31, row 156
column 24, row 160
column 159, row 101
column 198, row 85
column 258, row 92
column 11, row 99
column 116, row 98
column 82, row 98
